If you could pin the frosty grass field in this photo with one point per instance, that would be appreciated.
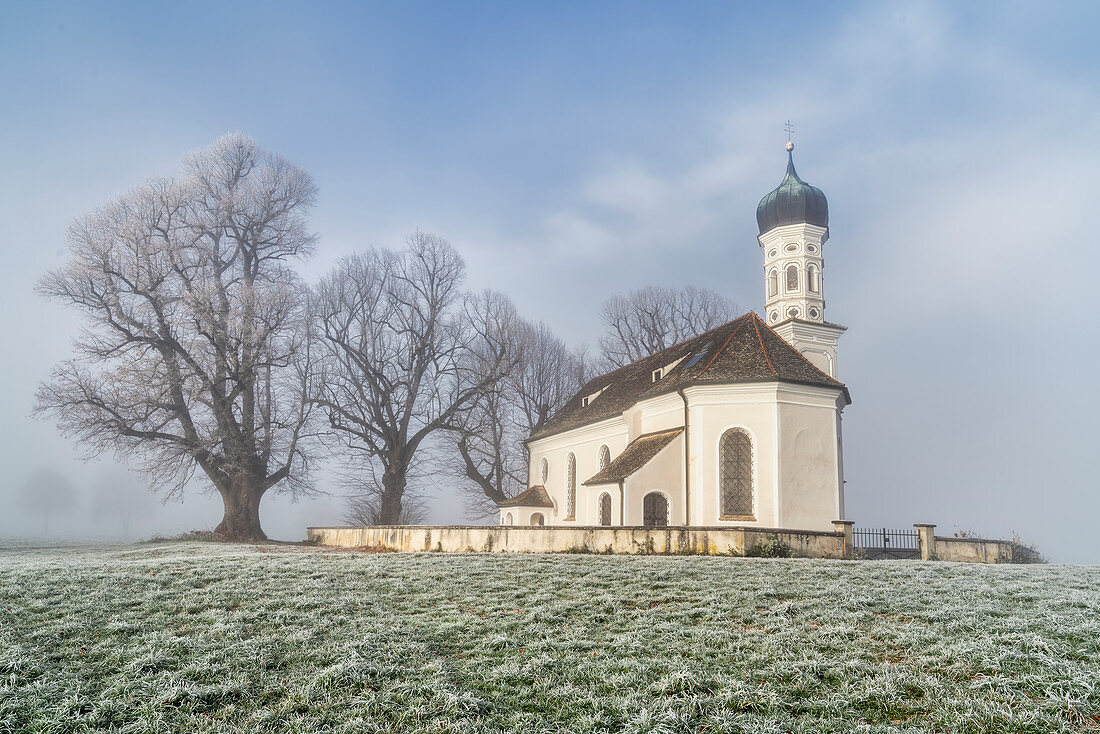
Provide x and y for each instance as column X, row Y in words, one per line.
column 177, row 637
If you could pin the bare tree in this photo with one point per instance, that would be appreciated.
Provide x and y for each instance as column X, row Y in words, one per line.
column 653, row 318
column 363, row 506
column 489, row 438
column 47, row 494
column 406, row 353
column 195, row 354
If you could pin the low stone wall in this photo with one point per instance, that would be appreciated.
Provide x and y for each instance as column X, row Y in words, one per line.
column 546, row 539
column 975, row 550
column 971, row 550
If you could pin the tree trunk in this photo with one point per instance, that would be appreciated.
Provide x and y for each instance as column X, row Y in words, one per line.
column 241, row 521
column 393, row 488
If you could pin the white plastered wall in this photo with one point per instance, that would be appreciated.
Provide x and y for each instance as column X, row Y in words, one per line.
column 584, row 443
column 713, row 411
column 664, row 473
column 811, row 477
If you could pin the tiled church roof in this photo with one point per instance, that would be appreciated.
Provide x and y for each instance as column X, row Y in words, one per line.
column 741, row 351
column 636, row 455
column 532, row 497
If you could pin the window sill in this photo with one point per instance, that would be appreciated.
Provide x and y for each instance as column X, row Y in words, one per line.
column 741, row 518
column 569, row 519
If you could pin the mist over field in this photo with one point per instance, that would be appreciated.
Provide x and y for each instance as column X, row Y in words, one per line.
column 574, row 151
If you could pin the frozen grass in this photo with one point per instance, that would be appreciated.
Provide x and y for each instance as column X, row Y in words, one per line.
column 182, row 637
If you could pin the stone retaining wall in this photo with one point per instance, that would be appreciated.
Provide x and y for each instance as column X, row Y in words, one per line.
column 975, row 550
column 527, row 539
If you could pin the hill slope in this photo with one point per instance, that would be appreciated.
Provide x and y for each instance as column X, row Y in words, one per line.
column 213, row 638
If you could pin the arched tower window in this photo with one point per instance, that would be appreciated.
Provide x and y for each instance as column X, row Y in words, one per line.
column 792, row 277
column 605, row 509
column 544, row 470
column 773, row 283
column 605, row 457
column 571, row 487
column 813, row 279
column 735, row 480
column 655, row 510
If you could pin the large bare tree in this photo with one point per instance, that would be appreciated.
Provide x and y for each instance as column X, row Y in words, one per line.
column 407, row 352
column 490, row 452
column 195, row 354
column 652, row 318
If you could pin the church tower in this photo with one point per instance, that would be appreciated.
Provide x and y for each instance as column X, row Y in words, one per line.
column 794, row 226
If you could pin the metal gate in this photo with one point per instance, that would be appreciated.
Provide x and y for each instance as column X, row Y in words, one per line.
column 881, row 543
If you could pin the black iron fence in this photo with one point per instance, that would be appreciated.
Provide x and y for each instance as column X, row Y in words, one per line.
column 881, row 543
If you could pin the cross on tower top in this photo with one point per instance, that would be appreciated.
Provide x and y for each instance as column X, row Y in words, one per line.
column 790, row 130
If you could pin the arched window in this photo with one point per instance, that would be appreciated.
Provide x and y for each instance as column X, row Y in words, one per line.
column 655, row 510
column 537, row 518
column 544, row 470
column 813, row 279
column 571, row 487
column 773, row 283
column 792, row 277
column 605, row 509
column 735, row 479
column 508, row 518
column 605, row 457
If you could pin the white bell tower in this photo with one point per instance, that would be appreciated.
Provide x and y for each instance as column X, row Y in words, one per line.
column 794, row 227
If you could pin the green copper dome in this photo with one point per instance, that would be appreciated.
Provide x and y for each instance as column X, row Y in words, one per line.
column 793, row 202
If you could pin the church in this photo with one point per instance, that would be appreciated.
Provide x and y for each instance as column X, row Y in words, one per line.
column 737, row 427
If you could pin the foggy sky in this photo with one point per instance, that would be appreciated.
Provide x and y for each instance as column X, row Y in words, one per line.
column 573, row 151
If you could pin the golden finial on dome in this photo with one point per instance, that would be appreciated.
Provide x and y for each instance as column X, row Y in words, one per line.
column 790, row 146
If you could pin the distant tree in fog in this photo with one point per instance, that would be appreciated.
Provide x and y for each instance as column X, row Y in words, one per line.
column 48, row 494
column 650, row 319
column 406, row 352
column 196, row 352
column 120, row 499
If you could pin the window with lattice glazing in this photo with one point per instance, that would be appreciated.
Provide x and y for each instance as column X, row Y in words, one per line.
column 605, row 509
column 735, row 475
column 605, row 457
column 571, row 487
column 655, row 510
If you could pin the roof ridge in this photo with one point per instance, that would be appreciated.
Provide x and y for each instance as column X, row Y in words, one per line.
column 665, row 349
column 725, row 344
column 767, row 358
column 802, row 356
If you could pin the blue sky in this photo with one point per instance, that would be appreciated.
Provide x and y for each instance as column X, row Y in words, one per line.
column 575, row 150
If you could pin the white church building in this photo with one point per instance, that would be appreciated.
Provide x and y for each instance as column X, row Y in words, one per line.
column 739, row 426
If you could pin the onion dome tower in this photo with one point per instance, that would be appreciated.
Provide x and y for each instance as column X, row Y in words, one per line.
column 794, row 226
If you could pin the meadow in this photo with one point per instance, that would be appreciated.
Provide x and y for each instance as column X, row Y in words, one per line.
column 202, row 637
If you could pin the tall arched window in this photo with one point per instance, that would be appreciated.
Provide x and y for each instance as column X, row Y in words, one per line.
column 735, row 480
column 605, row 457
column 792, row 277
column 813, row 279
column 655, row 510
column 544, row 470
column 571, row 487
column 605, row 509
column 508, row 518
column 773, row 283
